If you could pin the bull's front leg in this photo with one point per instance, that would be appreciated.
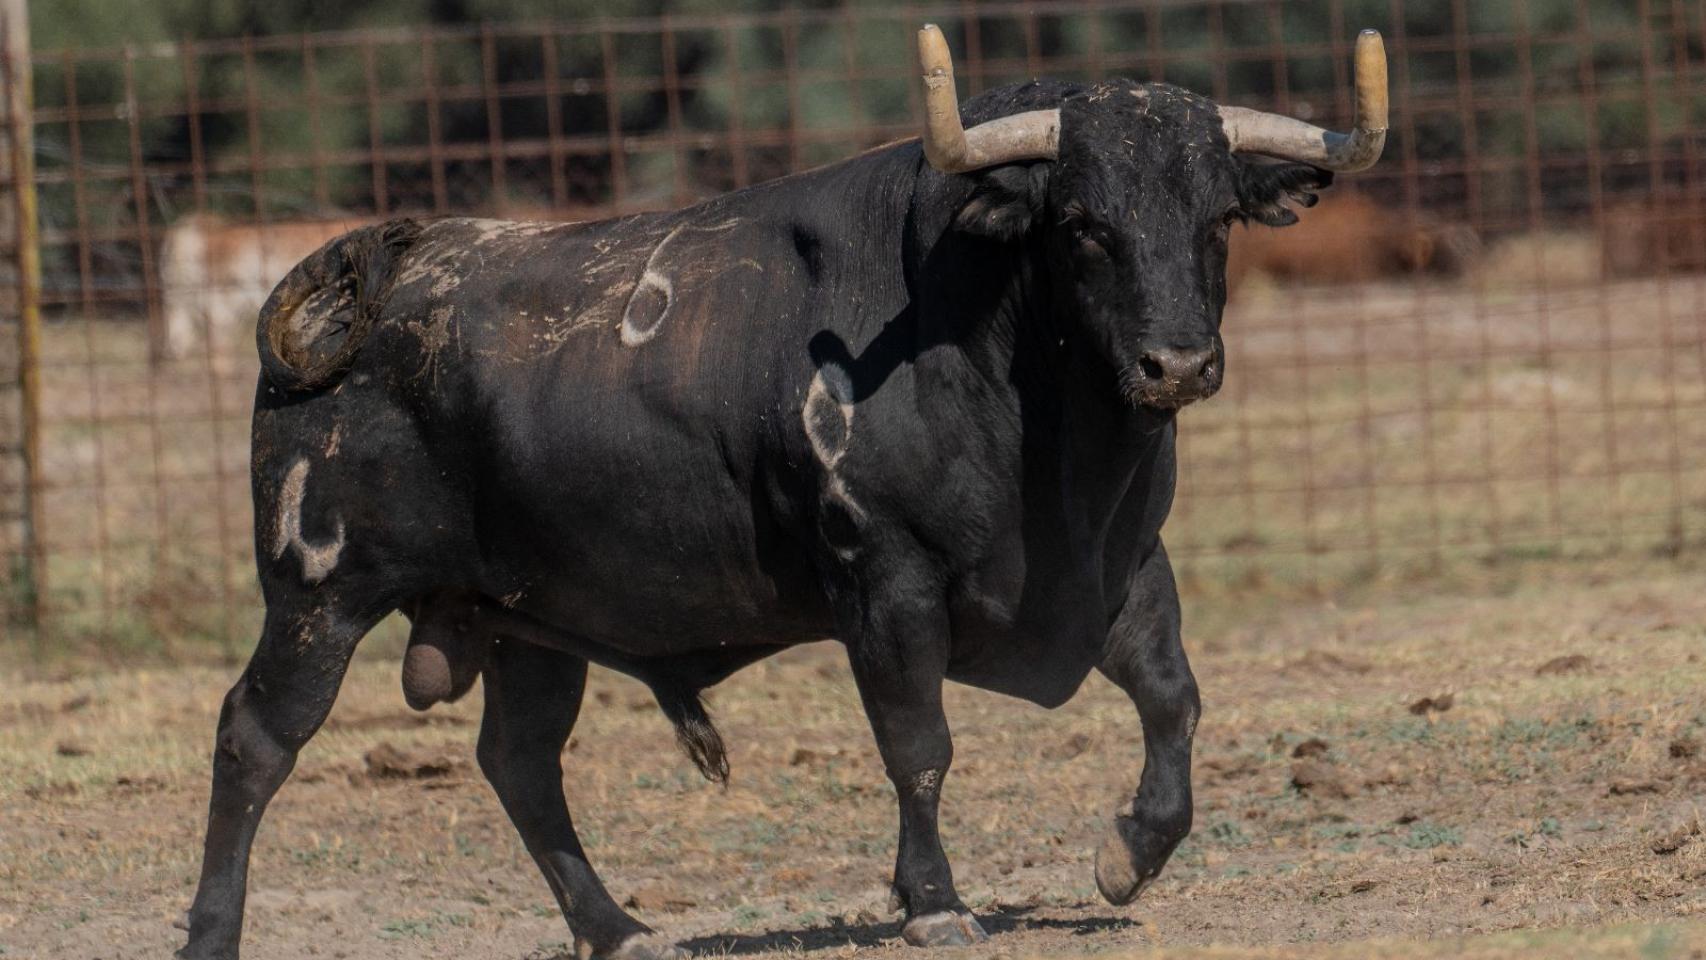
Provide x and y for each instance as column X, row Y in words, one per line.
column 899, row 659
column 1145, row 657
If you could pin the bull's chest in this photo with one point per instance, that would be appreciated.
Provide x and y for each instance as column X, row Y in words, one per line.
column 1032, row 620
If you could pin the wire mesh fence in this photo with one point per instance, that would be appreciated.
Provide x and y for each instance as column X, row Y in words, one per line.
column 1490, row 346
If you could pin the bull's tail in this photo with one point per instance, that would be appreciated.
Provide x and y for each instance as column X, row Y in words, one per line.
column 693, row 730
column 319, row 315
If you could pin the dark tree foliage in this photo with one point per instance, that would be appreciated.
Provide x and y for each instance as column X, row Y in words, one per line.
column 803, row 90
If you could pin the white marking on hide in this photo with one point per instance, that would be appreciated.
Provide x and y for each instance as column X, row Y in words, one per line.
column 652, row 283
column 929, row 781
column 829, row 423
column 318, row 561
column 487, row 230
column 639, row 325
column 445, row 280
column 636, row 330
column 435, row 334
column 442, row 266
column 829, row 428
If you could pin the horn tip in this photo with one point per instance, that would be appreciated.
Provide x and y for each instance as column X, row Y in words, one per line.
column 932, row 28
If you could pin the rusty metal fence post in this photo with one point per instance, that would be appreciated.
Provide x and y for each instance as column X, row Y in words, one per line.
column 21, row 551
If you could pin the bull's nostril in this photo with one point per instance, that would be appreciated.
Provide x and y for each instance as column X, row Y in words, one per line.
column 1151, row 367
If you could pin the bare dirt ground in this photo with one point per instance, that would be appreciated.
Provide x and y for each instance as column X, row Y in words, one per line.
column 1511, row 766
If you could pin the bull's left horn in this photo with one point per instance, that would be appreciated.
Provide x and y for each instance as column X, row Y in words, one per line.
column 950, row 148
column 1253, row 131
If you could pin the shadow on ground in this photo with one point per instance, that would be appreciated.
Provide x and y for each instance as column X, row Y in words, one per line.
column 838, row 934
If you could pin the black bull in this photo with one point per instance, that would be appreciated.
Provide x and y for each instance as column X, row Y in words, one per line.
column 928, row 415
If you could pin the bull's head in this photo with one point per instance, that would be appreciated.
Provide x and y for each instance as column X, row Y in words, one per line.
column 1134, row 210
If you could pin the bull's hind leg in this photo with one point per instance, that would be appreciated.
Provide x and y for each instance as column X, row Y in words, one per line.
column 275, row 707
column 1146, row 658
column 532, row 698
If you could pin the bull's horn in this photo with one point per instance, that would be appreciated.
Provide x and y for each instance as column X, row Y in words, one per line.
column 1252, row 131
column 950, row 148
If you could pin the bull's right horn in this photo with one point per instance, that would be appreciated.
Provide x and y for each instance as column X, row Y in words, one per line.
column 950, row 148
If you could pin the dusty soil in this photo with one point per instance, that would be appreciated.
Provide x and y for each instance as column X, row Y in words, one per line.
column 1411, row 767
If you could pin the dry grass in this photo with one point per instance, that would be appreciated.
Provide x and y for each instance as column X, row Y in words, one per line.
column 1406, row 429
column 1647, row 941
column 1538, row 260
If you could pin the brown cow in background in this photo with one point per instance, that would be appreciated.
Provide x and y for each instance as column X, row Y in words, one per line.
column 1350, row 238
column 1660, row 234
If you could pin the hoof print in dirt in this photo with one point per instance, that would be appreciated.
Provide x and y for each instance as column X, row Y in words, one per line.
column 1573, row 663
column 1318, row 778
column 1438, row 703
column 387, row 762
column 945, row 929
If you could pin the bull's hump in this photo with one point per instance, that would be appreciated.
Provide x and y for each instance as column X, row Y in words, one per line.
column 624, row 287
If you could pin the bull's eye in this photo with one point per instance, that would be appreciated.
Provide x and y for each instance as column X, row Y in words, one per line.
column 1089, row 239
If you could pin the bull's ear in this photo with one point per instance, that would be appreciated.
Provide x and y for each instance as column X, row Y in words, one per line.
column 1007, row 201
column 1269, row 190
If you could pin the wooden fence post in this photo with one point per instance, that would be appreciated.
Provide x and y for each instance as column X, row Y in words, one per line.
column 21, row 554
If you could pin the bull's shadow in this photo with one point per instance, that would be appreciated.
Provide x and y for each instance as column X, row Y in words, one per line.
column 949, row 307
column 835, row 934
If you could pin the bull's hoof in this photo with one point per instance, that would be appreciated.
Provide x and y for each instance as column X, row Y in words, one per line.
column 640, row 946
column 1119, row 874
column 203, row 947
column 945, row 929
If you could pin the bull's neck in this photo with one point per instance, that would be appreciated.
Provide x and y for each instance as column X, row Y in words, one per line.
column 990, row 341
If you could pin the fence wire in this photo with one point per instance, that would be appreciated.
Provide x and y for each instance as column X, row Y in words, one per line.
column 1491, row 346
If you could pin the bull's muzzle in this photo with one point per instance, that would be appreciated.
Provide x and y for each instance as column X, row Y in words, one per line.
column 1168, row 378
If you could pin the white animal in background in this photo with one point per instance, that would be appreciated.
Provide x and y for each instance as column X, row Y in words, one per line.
column 215, row 274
